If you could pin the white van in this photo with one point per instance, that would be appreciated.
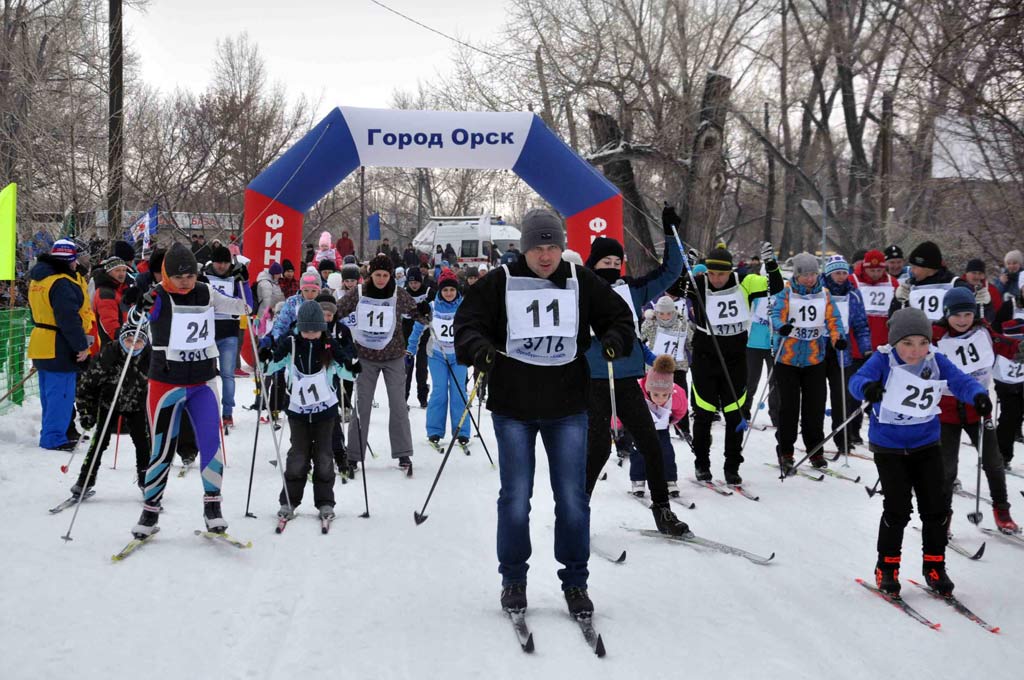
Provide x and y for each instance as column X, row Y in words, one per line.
column 466, row 234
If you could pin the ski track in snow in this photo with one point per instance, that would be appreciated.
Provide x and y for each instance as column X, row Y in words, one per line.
column 384, row 598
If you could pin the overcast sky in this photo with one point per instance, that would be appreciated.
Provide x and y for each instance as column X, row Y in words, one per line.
column 352, row 51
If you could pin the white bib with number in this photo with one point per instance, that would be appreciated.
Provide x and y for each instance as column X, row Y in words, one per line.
column 661, row 415
column 928, row 298
column 225, row 287
column 910, row 398
column 727, row 310
column 682, row 308
column 972, row 353
column 375, row 321
column 443, row 327
column 192, row 335
column 761, row 308
column 808, row 315
column 543, row 319
column 843, row 305
column 622, row 290
column 667, row 342
column 1008, row 371
column 311, row 393
column 877, row 299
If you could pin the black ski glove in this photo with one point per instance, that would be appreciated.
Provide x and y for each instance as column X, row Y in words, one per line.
column 266, row 354
column 669, row 219
column 483, row 360
column 610, row 349
column 785, row 329
column 354, row 366
column 841, row 344
column 983, row 405
column 873, row 392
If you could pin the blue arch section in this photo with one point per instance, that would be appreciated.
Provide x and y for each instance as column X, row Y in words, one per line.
column 555, row 172
column 310, row 169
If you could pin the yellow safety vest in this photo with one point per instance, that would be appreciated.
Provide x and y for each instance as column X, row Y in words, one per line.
column 42, row 344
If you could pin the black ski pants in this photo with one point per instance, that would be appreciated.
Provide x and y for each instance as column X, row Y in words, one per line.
column 631, row 408
column 713, row 389
column 136, row 425
column 758, row 360
column 918, row 472
column 1011, row 413
column 422, row 372
column 802, row 393
column 837, row 387
column 310, row 443
column 991, row 462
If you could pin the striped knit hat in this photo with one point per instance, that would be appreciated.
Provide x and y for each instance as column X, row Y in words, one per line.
column 64, row 249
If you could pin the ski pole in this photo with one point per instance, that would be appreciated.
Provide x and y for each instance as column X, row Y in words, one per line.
column 18, row 385
column 421, row 517
column 711, row 331
column 362, row 457
column 141, row 321
column 872, row 490
column 842, row 378
column 821, row 444
column 475, row 421
column 975, row 517
column 760, row 403
column 255, row 440
column 277, row 447
column 117, row 443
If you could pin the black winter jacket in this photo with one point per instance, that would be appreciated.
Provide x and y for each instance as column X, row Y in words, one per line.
column 308, row 357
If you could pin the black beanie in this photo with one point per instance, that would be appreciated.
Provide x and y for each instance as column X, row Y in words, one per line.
column 287, row 266
column 975, row 265
column 180, row 260
column 123, row 250
column 601, row 248
column 220, row 254
column 327, row 264
column 414, row 274
column 382, row 262
column 719, row 260
column 927, row 255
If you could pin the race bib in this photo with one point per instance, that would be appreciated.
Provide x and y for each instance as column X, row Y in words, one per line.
column 760, row 311
column 661, row 415
column 908, row 395
column 877, row 299
column 443, row 326
column 311, row 393
column 542, row 312
column 929, row 299
column 622, row 290
column 1007, row 371
column 192, row 335
column 671, row 344
column 727, row 311
column 350, row 320
column 375, row 318
column 808, row 315
column 222, row 286
column 970, row 353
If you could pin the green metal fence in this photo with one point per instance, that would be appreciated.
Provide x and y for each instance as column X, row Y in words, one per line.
column 15, row 327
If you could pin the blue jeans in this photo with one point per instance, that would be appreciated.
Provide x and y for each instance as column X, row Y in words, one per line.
column 637, row 468
column 228, row 348
column 446, row 400
column 57, row 395
column 565, row 440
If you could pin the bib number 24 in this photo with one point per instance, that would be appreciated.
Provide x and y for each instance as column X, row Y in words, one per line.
column 197, row 332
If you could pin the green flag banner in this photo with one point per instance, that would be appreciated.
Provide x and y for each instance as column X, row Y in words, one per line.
column 8, row 231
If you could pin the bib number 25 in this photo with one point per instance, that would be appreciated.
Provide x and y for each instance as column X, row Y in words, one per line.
column 919, row 399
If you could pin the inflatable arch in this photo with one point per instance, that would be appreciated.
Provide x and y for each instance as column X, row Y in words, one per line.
column 350, row 137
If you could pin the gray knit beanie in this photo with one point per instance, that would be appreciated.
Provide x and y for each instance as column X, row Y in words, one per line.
column 908, row 321
column 310, row 317
column 541, row 227
column 664, row 305
column 805, row 263
column 1014, row 256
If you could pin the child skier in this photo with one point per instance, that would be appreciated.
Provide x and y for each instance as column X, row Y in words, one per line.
column 182, row 365
column 447, row 376
column 312, row 361
column 667, row 403
column 966, row 340
column 669, row 333
column 903, row 381
column 94, row 396
column 338, row 333
column 1009, row 376
column 806, row 318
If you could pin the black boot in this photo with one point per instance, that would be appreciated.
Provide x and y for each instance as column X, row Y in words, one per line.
column 513, row 597
column 786, row 463
column 818, row 461
column 702, row 472
column 579, row 602
column 935, row 575
column 733, row 477
column 887, row 574
column 666, row 520
column 147, row 521
column 211, row 513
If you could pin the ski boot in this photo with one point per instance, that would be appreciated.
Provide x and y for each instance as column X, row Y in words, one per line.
column 211, row 513
column 327, row 512
column 1004, row 522
column 673, row 489
column 513, row 597
column 786, row 463
column 733, row 477
column 435, row 442
column 638, row 488
column 935, row 575
column 578, row 602
column 818, row 461
column 227, row 423
column 146, row 525
column 405, row 463
column 887, row 574
column 77, row 490
column 464, row 444
column 286, row 512
column 666, row 520
column 702, row 472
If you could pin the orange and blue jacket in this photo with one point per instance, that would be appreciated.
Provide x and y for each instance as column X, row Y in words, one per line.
column 793, row 351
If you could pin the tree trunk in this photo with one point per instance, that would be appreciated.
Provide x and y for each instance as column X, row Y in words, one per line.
column 705, row 185
column 638, row 244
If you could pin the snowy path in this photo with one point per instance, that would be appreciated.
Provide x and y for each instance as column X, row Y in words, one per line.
column 384, row 598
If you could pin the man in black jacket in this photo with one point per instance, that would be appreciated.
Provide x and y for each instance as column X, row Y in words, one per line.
column 527, row 327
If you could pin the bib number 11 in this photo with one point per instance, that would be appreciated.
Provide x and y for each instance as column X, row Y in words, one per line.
column 534, row 308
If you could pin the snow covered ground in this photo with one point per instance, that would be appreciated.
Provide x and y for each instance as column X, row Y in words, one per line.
column 385, row 598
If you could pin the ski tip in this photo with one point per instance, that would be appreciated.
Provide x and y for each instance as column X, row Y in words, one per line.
column 599, row 647
column 994, row 629
column 420, row 519
column 323, row 530
column 622, row 558
column 770, row 557
column 981, row 551
column 528, row 646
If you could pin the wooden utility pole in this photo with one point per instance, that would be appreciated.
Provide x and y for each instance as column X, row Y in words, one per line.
column 705, row 182
column 769, row 208
column 115, row 121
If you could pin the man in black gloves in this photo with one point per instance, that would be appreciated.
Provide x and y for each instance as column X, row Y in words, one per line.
column 527, row 326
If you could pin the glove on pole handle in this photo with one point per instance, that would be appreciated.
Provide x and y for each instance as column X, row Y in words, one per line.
column 106, row 425
column 711, row 331
column 821, row 444
column 420, row 517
